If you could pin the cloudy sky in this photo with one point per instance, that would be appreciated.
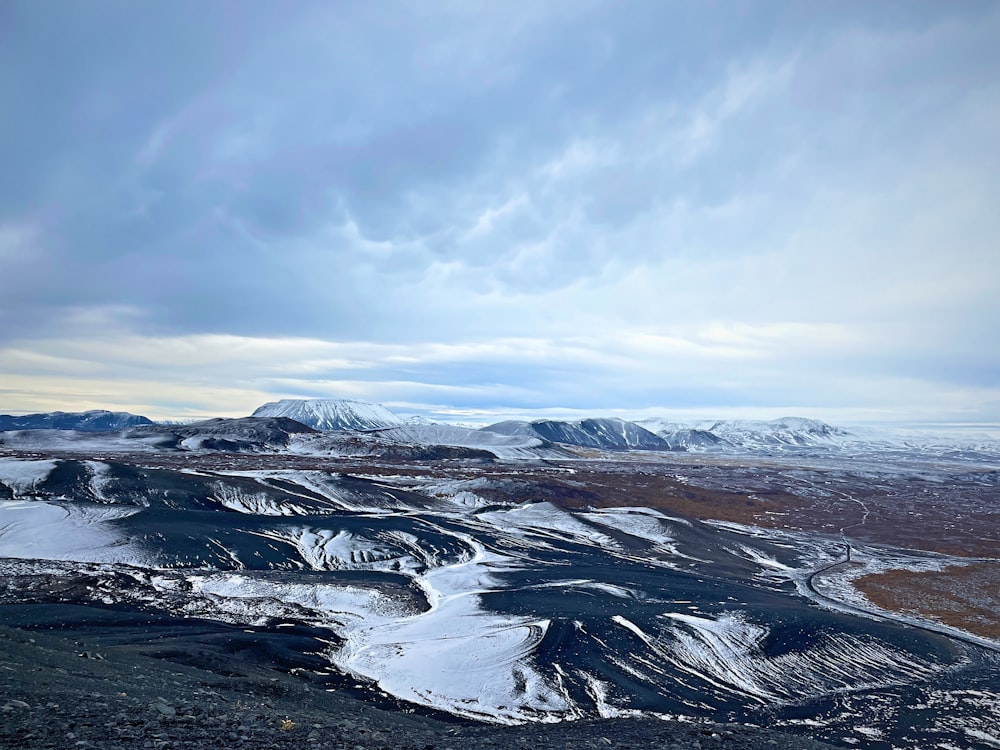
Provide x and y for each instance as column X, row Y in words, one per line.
column 482, row 208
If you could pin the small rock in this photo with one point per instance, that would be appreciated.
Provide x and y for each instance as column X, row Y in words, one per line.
column 164, row 710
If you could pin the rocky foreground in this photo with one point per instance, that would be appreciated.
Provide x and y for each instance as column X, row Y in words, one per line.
column 60, row 691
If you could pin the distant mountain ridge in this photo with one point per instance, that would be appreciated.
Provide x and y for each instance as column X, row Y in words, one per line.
column 662, row 434
column 344, row 427
column 95, row 420
column 245, row 434
column 749, row 434
column 332, row 414
column 786, row 431
column 603, row 434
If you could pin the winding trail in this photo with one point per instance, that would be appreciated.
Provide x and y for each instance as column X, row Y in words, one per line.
column 881, row 614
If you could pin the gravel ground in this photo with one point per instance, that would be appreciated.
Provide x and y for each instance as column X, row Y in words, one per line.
column 58, row 691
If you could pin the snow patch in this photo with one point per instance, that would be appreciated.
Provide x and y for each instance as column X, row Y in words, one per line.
column 76, row 532
column 22, row 476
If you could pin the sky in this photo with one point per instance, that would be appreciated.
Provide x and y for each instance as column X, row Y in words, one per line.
column 470, row 210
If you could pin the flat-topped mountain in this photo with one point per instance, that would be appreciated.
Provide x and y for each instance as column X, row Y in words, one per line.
column 332, row 414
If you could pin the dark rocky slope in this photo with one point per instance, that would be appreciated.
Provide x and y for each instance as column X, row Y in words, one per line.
column 80, row 677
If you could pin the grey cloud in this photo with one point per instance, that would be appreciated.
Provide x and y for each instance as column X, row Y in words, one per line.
column 408, row 172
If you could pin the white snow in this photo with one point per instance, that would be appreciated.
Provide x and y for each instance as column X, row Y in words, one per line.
column 101, row 477
column 76, row 532
column 585, row 583
column 252, row 598
column 23, row 475
column 254, row 503
column 454, row 655
column 317, row 482
column 325, row 549
column 642, row 523
column 726, row 651
column 547, row 521
column 457, row 656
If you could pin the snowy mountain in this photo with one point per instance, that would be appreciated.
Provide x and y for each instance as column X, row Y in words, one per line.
column 661, row 426
column 682, row 437
column 332, row 414
column 753, row 435
column 604, row 434
column 687, row 439
column 97, row 420
column 784, row 432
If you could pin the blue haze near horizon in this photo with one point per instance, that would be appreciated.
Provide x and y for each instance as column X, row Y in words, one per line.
column 474, row 210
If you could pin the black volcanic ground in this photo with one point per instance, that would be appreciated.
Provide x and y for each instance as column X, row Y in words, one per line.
column 466, row 593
